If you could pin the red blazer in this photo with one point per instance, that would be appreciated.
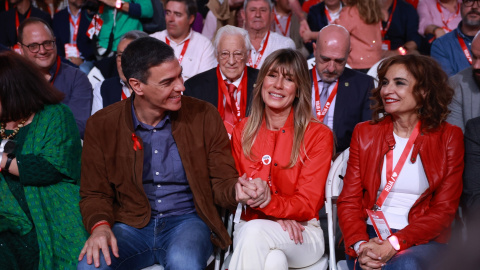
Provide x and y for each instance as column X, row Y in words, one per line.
column 429, row 219
column 297, row 193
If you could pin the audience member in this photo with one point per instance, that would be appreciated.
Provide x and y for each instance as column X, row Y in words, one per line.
column 438, row 17
column 362, row 20
column 153, row 165
column 258, row 16
column 50, row 6
column 466, row 100
column 38, row 45
column 5, row 5
column 319, row 16
column 453, row 50
column 194, row 51
column 70, row 27
column 114, row 89
column 11, row 20
column 41, row 225
column 281, row 143
column 346, row 91
column 286, row 24
column 399, row 28
column 404, row 177
column 221, row 13
column 228, row 86
column 471, row 181
column 119, row 20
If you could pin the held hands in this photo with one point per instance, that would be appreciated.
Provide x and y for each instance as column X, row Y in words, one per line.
column 375, row 253
column 101, row 238
column 253, row 192
column 294, row 229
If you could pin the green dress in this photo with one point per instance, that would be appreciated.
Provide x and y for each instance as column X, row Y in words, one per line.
column 40, row 222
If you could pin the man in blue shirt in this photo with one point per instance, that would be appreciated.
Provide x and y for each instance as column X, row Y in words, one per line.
column 453, row 50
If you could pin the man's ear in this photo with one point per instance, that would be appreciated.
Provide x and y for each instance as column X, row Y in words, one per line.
column 21, row 48
column 136, row 86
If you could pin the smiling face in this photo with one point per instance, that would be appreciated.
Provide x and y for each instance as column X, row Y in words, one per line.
column 257, row 15
column 279, row 90
column 232, row 67
column 38, row 33
column 178, row 22
column 397, row 91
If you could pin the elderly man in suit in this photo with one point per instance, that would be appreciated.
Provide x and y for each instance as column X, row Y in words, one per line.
column 340, row 96
column 229, row 85
column 465, row 103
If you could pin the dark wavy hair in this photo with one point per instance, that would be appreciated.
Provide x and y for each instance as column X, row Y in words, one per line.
column 431, row 81
column 23, row 89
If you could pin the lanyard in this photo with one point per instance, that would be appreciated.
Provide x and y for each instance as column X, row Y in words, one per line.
column 327, row 13
column 240, row 107
column 445, row 23
column 393, row 175
column 75, row 26
column 6, row 5
column 56, row 70
column 384, row 30
column 280, row 26
column 260, row 54
column 184, row 49
column 17, row 20
column 319, row 112
column 464, row 48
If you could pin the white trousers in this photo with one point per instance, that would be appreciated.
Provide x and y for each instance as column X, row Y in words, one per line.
column 263, row 244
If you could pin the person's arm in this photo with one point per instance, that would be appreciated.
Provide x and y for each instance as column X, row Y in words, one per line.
column 308, row 196
column 455, row 117
column 471, row 180
column 425, row 16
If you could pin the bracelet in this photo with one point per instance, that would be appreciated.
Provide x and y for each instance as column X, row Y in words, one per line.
column 100, row 223
column 10, row 157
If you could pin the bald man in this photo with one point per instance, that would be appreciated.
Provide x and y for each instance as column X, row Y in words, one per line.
column 342, row 109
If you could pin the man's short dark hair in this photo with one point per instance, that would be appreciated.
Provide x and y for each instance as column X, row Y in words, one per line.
column 142, row 54
column 32, row 20
column 190, row 4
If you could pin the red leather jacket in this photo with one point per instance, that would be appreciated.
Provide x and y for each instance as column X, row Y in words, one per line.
column 430, row 217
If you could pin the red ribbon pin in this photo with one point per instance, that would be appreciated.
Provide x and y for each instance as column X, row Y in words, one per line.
column 136, row 143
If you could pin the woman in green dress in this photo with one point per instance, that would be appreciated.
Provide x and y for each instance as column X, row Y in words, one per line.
column 40, row 222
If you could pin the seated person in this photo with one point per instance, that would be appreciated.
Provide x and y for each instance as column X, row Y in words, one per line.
column 41, row 226
column 155, row 166
column 407, row 145
column 115, row 89
column 280, row 143
column 438, row 17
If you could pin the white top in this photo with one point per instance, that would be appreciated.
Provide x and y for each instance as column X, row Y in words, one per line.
column 97, row 96
column 331, row 110
column 410, row 184
column 335, row 15
column 283, row 20
column 275, row 42
column 199, row 57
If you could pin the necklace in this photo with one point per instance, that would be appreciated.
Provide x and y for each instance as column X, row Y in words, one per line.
column 15, row 131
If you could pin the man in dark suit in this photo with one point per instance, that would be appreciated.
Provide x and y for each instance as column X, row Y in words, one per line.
column 79, row 48
column 340, row 96
column 228, row 86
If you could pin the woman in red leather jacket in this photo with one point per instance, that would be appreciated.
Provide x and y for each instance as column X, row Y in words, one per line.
column 406, row 164
column 282, row 144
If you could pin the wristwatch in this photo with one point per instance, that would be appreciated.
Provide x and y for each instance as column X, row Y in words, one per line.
column 10, row 157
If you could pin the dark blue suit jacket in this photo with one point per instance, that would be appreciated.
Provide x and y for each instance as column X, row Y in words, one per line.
column 204, row 86
column 61, row 29
column 8, row 31
column 352, row 105
column 316, row 17
column 111, row 91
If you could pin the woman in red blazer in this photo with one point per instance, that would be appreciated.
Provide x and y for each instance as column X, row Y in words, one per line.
column 282, row 144
column 406, row 165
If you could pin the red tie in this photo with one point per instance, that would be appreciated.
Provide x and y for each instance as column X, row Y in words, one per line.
column 229, row 111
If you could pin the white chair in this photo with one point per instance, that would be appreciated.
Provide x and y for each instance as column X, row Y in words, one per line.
column 332, row 190
column 373, row 72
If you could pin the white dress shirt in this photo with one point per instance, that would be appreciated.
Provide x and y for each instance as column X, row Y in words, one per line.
column 329, row 115
column 275, row 42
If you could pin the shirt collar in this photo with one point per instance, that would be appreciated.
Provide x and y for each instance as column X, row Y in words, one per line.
column 319, row 79
column 139, row 125
column 236, row 82
column 459, row 31
column 183, row 41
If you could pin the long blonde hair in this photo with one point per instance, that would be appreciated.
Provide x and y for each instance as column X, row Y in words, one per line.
column 370, row 10
column 285, row 61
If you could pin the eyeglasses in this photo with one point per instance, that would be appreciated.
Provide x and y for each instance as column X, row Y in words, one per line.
column 469, row 3
column 237, row 55
column 35, row 47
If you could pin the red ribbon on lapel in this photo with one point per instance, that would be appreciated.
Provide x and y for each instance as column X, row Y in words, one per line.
column 136, row 143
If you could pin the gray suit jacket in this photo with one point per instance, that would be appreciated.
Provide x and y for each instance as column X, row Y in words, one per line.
column 471, row 181
column 466, row 101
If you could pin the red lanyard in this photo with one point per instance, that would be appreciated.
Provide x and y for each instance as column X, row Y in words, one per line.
column 384, row 30
column 445, row 23
column 319, row 112
column 75, row 26
column 393, row 175
column 123, row 95
column 184, row 49
column 17, row 20
column 6, row 5
column 464, row 48
column 240, row 107
column 280, row 26
column 59, row 62
column 328, row 15
column 260, row 54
